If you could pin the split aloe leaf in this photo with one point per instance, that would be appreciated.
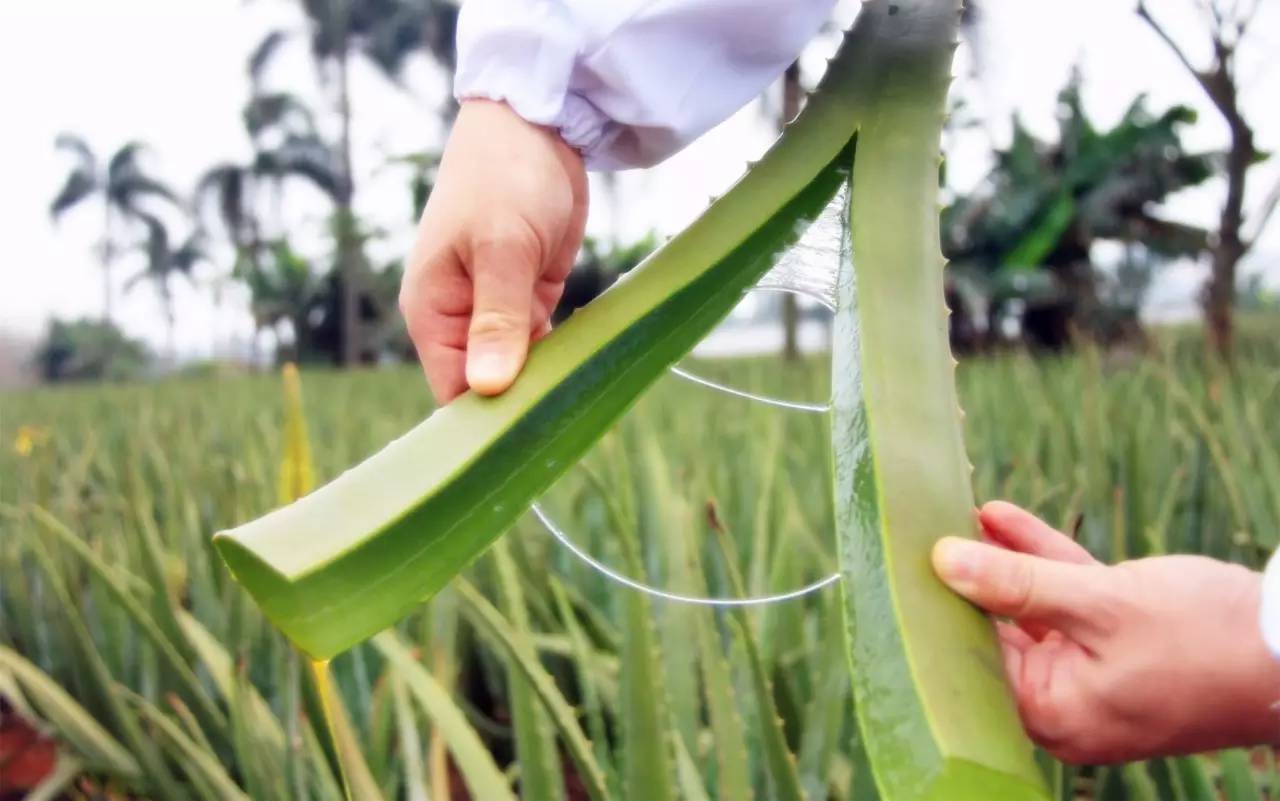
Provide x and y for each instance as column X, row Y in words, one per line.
column 937, row 721
column 348, row 560
column 933, row 706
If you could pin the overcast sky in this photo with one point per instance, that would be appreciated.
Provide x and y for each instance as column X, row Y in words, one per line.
column 172, row 74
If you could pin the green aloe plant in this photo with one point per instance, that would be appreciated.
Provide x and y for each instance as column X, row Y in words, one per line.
column 352, row 558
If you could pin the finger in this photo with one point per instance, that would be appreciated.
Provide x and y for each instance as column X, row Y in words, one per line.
column 435, row 300
column 1024, row 588
column 503, row 271
column 1019, row 530
column 1013, row 646
column 445, row 368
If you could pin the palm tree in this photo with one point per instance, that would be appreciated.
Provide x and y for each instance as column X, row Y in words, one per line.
column 385, row 32
column 122, row 188
column 165, row 263
column 282, row 289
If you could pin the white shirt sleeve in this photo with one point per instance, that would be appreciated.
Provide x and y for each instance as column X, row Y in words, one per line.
column 1271, row 605
column 629, row 82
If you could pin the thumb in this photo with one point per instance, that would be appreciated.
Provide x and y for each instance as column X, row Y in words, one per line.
column 503, row 272
column 1024, row 588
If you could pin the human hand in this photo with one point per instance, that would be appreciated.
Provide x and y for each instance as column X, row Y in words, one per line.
column 1152, row 657
column 497, row 239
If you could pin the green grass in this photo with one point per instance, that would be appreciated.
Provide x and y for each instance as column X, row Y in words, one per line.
column 115, row 595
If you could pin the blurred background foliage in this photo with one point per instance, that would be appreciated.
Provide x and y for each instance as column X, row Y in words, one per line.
column 142, row 670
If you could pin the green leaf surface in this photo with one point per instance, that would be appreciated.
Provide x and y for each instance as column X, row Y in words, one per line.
column 73, row 723
column 936, row 716
column 483, row 776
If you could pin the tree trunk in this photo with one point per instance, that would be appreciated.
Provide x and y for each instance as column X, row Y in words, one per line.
column 1220, row 294
column 171, row 325
column 348, row 245
column 107, row 257
column 792, row 93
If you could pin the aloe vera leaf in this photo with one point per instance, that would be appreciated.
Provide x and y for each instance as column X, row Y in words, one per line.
column 1192, row 779
column 110, row 578
column 356, row 555
column 1138, row 784
column 540, row 775
column 297, row 475
column 73, row 722
column 828, row 708
column 733, row 769
column 257, row 759
column 936, row 716
column 52, row 787
column 688, row 775
column 490, row 622
column 201, row 765
column 593, row 708
column 648, row 767
column 483, row 776
column 784, row 776
column 411, row 752
column 153, row 768
column 1238, row 782
column 357, row 779
column 221, row 669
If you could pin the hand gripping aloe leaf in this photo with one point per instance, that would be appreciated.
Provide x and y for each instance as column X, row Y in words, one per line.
column 351, row 558
column 933, row 707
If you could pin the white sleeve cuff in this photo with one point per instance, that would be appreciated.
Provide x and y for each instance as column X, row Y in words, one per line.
column 524, row 54
column 1271, row 605
column 628, row 82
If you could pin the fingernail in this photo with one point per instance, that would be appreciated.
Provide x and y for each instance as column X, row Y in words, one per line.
column 489, row 369
column 956, row 562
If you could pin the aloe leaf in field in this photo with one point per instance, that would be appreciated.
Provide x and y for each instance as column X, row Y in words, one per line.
column 201, row 765
column 415, row 770
column 1238, row 781
column 936, row 716
column 540, row 776
column 489, row 621
column 168, row 650
column 52, row 787
column 646, row 755
column 357, row 779
column 221, row 669
column 152, row 767
column 73, row 723
column 483, row 777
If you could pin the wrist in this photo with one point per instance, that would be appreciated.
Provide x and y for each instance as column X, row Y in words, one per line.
column 498, row 111
column 1256, row 681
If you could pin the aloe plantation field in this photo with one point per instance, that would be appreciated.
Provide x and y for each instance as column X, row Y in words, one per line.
column 144, row 672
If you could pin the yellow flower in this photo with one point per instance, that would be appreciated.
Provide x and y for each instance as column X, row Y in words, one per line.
column 29, row 438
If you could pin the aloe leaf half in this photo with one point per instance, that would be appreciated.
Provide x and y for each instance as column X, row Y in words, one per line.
column 350, row 559
column 935, row 712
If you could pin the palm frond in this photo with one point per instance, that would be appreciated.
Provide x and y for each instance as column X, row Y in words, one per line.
column 282, row 110
column 125, row 161
column 79, row 185
column 264, row 53
column 77, row 146
column 305, row 157
column 227, row 185
column 82, row 181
